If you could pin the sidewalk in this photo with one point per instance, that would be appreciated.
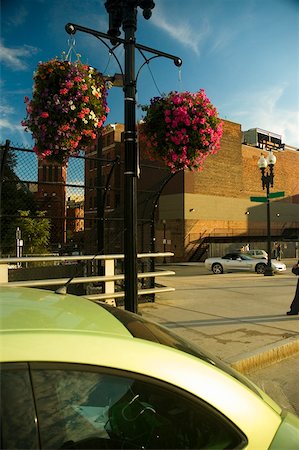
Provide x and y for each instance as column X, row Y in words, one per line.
column 239, row 317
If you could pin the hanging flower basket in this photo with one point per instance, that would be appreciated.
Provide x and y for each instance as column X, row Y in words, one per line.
column 182, row 129
column 67, row 110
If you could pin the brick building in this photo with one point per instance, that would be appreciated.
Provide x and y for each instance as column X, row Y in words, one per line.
column 51, row 196
column 204, row 212
column 215, row 207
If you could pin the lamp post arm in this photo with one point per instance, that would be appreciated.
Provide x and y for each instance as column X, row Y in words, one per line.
column 147, row 60
column 71, row 28
column 111, row 51
column 153, row 218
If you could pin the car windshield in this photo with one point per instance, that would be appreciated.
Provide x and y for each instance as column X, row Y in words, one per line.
column 150, row 331
column 246, row 257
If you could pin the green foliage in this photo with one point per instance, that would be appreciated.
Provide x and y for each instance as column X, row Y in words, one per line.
column 15, row 196
column 35, row 232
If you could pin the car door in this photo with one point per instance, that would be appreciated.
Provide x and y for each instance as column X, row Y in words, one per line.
column 227, row 262
column 239, row 263
column 231, row 262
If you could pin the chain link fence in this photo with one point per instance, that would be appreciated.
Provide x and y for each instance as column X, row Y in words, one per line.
column 81, row 205
column 76, row 209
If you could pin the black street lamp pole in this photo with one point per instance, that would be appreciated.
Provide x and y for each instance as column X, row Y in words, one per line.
column 131, row 160
column 267, row 181
column 124, row 12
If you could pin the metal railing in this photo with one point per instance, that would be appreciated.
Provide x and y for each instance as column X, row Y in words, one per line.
column 108, row 279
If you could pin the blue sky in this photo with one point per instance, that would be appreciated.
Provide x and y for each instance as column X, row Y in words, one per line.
column 244, row 53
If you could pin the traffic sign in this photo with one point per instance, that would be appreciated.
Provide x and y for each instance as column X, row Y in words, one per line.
column 276, row 194
column 258, row 199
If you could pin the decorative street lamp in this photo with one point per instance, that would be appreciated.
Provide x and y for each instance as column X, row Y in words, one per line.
column 266, row 165
column 123, row 13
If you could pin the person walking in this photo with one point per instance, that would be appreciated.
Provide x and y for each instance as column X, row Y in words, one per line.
column 294, row 308
column 278, row 250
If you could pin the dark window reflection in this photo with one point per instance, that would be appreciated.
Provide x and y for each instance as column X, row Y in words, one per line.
column 18, row 418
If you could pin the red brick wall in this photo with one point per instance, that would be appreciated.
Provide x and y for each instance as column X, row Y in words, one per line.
column 222, row 173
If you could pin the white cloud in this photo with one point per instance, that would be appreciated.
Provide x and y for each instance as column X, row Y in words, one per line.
column 15, row 132
column 6, row 110
column 5, row 123
column 261, row 109
column 223, row 38
column 14, row 57
column 180, row 31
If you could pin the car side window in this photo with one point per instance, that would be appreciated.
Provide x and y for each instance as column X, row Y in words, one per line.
column 19, row 428
column 79, row 407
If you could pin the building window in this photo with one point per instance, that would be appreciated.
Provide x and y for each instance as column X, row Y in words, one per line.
column 44, row 173
column 55, row 173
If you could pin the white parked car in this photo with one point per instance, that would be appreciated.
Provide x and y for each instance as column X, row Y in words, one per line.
column 261, row 254
column 241, row 262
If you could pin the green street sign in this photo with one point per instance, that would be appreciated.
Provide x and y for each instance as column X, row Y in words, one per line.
column 276, row 194
column 258, row 199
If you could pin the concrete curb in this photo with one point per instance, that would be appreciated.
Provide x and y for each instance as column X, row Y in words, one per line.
column 265, row 356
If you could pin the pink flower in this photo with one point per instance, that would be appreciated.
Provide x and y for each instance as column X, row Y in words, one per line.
column 58, row 120
column 189, row 130
column 65, row 127
column 69, row 84
column 28, row 108
column 74, row 144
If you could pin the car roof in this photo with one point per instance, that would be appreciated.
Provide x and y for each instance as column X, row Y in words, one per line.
column 35, row 309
